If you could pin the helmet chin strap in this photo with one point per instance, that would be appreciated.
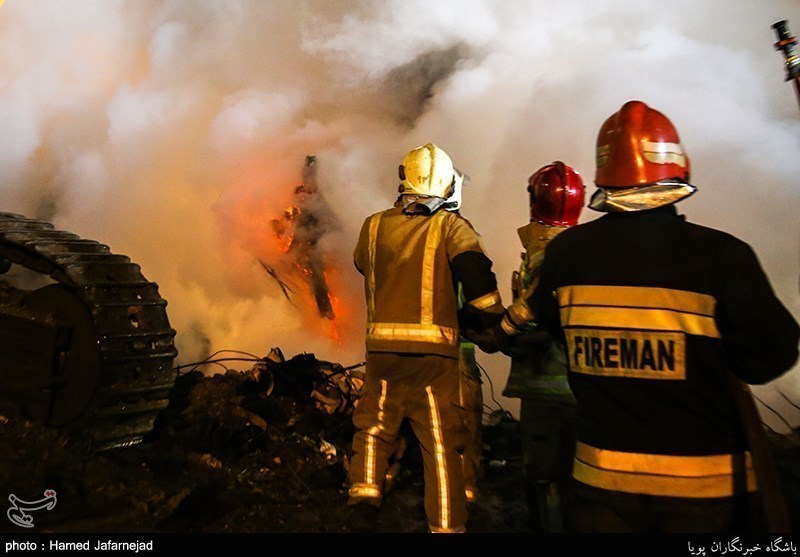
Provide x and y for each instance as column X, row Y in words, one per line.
column 642, row 198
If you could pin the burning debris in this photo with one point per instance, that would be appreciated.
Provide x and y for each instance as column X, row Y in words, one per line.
column 299, row 230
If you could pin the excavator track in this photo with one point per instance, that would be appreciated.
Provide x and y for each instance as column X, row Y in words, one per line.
column 135, row 347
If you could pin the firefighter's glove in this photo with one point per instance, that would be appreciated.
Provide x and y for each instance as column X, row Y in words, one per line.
column 522, row 343
column 489, row 340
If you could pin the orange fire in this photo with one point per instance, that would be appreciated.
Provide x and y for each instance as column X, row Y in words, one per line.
column 310, row 273
column 280, row 225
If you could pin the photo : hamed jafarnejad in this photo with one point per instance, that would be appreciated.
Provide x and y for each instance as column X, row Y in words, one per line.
column 101, row 545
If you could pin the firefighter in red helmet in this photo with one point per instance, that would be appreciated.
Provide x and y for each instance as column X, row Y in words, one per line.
column 412, row 257
column 657, row 314
column 538, row 373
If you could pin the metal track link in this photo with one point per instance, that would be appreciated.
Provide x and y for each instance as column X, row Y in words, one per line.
column 135, row 340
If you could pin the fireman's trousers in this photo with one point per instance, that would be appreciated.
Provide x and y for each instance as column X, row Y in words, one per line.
column 426, row 390
column 548, row 444
column 471, row 399
column 594, row 510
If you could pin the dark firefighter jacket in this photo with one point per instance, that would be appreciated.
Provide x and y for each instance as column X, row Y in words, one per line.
column 412, row 264
column 655, row 312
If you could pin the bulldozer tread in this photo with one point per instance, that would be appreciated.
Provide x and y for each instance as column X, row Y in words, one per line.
column 135, row 340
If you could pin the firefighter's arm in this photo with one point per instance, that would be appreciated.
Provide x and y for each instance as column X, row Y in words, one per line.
column 519, row 317
column 479, row 318
column 542, row 300
column 519, row 321
column 360, row 255
column 483, row 308
column 759, row 335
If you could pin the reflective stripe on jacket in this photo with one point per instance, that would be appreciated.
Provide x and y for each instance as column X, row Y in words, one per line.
column 409, row 285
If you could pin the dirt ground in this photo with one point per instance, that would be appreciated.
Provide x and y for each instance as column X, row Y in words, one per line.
column 225, row 457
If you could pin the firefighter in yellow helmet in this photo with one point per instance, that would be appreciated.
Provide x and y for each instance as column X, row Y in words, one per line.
column 658, row 316
column 412, row 257
column 471, row 391
column 538, row 373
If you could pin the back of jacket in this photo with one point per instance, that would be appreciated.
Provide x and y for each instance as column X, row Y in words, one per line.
column 655, row 312
column 409, row 284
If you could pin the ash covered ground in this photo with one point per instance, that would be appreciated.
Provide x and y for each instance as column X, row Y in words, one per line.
column 227, row 457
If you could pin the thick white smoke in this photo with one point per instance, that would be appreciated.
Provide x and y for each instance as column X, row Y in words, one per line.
column 175, row 131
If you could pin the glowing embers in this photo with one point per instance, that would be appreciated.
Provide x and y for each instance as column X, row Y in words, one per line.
column 283, row 228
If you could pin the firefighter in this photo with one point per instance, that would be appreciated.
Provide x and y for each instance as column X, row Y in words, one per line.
column 412, row 257
column 538, row 372
column 656, row 314
column 470, row 393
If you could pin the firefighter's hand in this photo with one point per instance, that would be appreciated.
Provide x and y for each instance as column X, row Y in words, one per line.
column 521, row 344
column 490, row 340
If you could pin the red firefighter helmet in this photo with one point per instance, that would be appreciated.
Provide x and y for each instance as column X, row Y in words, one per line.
column 639, row 146
column 557, row 193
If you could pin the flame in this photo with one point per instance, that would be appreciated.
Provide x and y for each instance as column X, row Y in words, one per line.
column 268, row 251
column 300, row 265
column 283, row 228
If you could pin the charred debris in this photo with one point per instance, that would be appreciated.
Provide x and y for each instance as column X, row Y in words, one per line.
column 263, row 450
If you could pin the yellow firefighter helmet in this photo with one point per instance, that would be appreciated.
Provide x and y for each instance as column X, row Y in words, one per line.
column 428, row 171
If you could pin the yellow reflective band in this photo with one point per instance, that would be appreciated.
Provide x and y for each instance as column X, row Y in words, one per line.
column 639, row 318
column 428, row 262
column 637, row 297
column 437, row 530
column 372, row 434
column 441, row 469
column 470, row 494
column 411, row 332
column 508, row 327
column 520, row 313
column 369, row 476
column 664, row 475
column 364, row 490
column 373, row 240
column 382, row 402
column 669, row 465
column 486, row 301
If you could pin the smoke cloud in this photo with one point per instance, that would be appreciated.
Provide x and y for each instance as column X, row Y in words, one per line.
column 175, row 131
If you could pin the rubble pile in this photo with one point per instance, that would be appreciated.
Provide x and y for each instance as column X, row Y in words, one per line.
column 257, row 451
